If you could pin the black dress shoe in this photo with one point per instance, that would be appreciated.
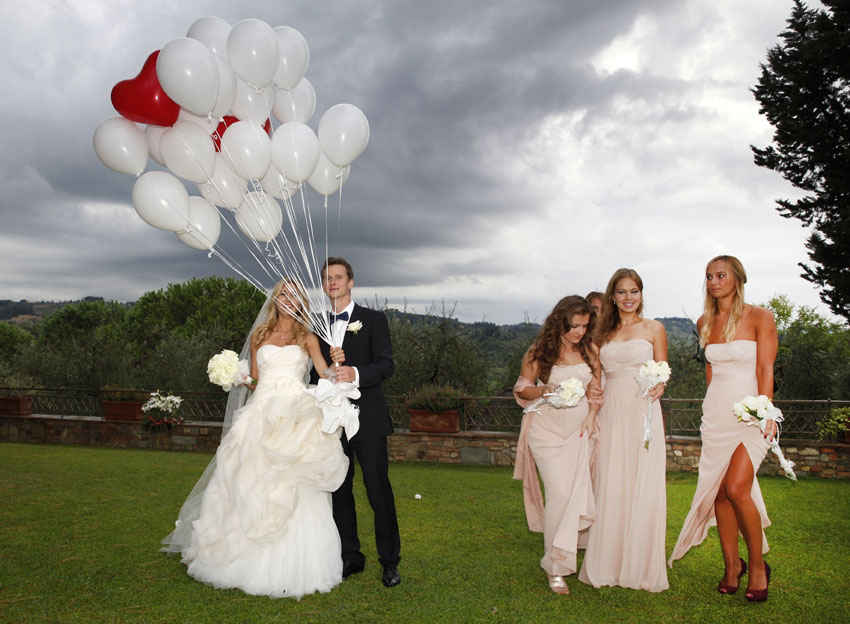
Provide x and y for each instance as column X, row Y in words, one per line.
column 391, row 576
column 351, row 567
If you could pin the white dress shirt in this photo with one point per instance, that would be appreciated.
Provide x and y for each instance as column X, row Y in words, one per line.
column 338, row 329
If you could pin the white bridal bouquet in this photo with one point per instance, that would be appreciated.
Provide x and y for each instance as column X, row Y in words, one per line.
column 568, row 394
column 756, row 411
column 226, row 369
column 651, row 373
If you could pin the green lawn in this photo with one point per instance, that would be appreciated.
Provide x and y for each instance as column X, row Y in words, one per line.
column 81, row 527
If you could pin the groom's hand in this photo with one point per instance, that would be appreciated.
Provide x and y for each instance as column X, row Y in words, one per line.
column 345, row 374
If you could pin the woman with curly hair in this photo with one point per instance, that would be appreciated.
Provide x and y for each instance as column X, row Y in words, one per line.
column 556, row 441
column 625, row 545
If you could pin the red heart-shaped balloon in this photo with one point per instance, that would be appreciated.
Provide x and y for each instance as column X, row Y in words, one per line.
column 141, row 99
column 229, row 120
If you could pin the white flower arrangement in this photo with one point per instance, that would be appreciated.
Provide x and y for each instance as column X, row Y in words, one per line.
column 568, row 394
column 162, row 410
column 757, row 411
column 650, row 374
column 354, row 327
column 225, row 369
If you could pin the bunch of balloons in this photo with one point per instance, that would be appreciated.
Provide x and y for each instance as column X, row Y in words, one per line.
column 207, row 100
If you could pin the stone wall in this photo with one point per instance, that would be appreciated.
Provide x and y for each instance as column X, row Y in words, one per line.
column 812, row 459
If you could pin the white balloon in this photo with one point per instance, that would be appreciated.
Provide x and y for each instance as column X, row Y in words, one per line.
column 247, row 150
column 252, row 105
column 294, row 57
column 204, row 225
column 212, row 32
column 259, row 216
column 343, row 133
column 188, row 151
column 153, row 134
column 253, row 51
column 276, row 185
column 327, row 178
column 296, row 104
column 209, row 124
column 295, row 151
column 121, row 145
column 225, row 188
column 161, row 200
column 188, row 73
column 226, row 89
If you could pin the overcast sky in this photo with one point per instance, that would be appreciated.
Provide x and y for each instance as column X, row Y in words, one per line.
column 520, row 150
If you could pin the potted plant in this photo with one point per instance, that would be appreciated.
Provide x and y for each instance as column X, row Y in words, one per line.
column 14, row 399
column 835, row 425
column 435, row 409
column 162, row 411
column 122, row 404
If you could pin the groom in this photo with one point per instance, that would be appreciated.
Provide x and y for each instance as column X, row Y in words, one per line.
column 365, row 337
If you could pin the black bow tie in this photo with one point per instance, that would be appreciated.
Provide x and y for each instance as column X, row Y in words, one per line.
column 342, row 316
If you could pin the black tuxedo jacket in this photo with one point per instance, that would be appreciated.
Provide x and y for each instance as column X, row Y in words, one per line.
column 370, row 351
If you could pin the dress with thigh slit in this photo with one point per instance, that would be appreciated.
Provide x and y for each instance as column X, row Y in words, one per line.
column 733, row 377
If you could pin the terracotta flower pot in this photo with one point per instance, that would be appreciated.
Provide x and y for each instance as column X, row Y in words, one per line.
column 123, row 411
column 16, row 405
column 429, row 422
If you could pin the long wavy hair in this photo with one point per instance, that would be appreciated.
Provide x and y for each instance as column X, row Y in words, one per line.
column 546, row 350
column 733, row 322
column 299, row 331
column 609, row 318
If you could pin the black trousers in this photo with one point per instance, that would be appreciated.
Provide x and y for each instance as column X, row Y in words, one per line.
column 374, row 464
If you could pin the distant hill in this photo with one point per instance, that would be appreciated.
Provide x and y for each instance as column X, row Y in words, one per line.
column 23, row 311
column 678, row 325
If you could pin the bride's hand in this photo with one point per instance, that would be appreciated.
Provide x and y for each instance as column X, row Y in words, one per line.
column 337, row 355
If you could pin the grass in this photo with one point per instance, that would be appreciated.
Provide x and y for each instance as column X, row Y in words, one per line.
column 79, row 533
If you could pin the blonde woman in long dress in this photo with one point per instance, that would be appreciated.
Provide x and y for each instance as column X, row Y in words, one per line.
column 740, row 345
column 626, row 542
column 263, row 521
column 556, row 440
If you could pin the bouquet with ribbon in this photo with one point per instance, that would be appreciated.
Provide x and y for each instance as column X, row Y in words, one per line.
column 650, row 374
column 567, row 394
column 757, row 411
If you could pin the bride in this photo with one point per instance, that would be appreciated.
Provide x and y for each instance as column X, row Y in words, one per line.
column 260, row 518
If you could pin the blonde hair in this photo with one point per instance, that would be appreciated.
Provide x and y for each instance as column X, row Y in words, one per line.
column 736, row 269
column 300, row 331
column 609, row 318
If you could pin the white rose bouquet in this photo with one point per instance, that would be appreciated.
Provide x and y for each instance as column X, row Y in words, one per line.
column 756, row 411
column 650, row 374
column 568, row 394
column 225, row 369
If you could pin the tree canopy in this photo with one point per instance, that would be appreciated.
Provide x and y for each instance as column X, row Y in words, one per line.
column 804, row 92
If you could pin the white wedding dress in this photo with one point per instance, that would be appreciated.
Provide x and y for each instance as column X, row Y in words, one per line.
column 266, row 524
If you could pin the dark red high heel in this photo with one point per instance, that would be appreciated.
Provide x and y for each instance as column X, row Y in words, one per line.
column 760, row 595
column 731, row 589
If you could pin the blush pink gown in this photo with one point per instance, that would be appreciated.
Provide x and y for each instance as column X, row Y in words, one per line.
column 562, row 456
column 733, row 377
column 626, row 543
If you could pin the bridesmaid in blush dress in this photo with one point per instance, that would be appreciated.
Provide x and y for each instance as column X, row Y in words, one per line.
column 740, row 345
column 626, row 543
column 556, row 440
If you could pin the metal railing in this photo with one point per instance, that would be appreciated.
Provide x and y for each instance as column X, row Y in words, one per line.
column 479, row 413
